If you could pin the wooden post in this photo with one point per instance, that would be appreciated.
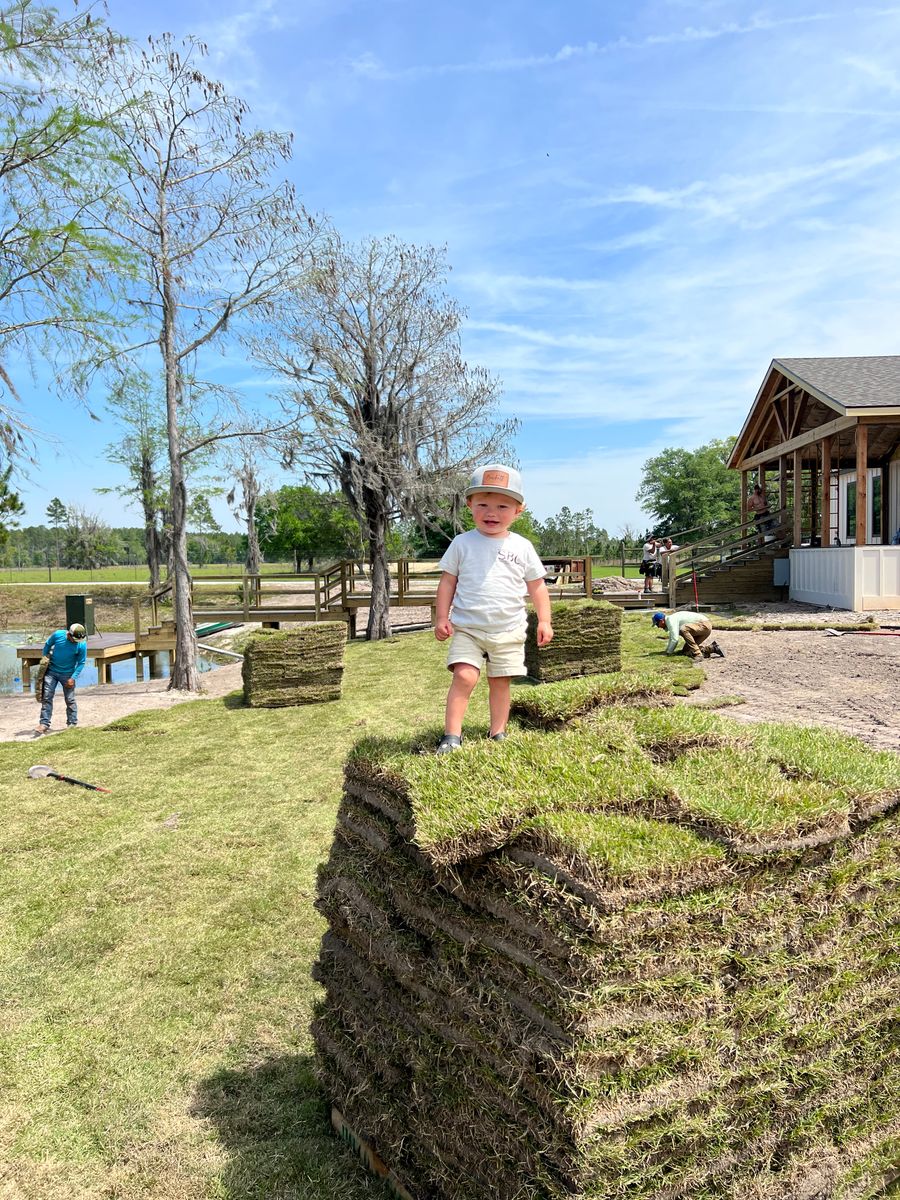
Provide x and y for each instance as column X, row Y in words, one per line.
column 102, row 671
column 782, row 483
column 762, row 483
column 137, row 623
column 745, row 481
column 401, row 563
column 623, row 558
column 862, row 488
column 673, row 572
column 826, row 491
column 139, row 668
column 588, row 576
column 156, row 668
column 797, row 496
column 814, row 497
column 245, row 590
column 885, row 504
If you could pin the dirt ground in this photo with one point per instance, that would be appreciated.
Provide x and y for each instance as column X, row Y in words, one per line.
column 850, row 683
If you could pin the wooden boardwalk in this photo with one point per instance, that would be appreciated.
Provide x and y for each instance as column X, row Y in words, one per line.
column 340, row 591
column 103, row 649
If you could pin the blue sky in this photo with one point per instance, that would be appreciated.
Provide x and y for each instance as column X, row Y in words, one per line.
column 643, row 202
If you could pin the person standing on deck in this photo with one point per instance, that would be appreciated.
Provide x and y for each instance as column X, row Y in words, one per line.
column 666, row 548
column 649, row 562
column 67, row 651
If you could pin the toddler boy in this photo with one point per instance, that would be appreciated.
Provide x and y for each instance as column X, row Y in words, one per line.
column 485, row 575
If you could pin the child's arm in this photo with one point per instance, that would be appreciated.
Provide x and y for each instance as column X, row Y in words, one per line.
column 540, row 598
column 446, row 590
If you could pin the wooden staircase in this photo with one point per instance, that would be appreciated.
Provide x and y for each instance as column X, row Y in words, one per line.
column 731, row 566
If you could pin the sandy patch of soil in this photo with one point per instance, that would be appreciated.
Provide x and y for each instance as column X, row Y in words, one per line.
column 849, row 683
column 100, row 705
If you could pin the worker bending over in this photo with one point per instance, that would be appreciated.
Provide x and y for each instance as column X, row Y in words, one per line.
column 693, row 628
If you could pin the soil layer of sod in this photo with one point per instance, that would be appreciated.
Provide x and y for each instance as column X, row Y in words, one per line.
column 297, row 666
column 645, row 953
column 587, row 640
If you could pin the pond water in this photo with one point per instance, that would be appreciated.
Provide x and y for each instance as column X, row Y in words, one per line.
column 120, row 672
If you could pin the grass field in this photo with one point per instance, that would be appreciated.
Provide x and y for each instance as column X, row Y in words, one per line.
column 156, row 943
column 128, row 574
column 138, row 574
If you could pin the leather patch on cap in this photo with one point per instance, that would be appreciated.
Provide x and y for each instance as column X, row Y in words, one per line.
column 495, row 479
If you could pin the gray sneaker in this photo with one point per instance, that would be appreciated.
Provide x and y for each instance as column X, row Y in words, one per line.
column 498, row 737
column 448, row 743
column 716, row 649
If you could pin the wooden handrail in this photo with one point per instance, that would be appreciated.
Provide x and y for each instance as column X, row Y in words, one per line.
column 743, row 539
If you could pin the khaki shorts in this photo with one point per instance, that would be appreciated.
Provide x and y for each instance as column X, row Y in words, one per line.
column 503, row 652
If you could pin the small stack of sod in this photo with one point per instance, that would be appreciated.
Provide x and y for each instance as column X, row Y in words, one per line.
column 650, row 955
column 587, row 640
column 297, row 666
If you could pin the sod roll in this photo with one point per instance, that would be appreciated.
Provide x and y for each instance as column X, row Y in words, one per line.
column 580, row 964
column 587, row 640
column 298, row 666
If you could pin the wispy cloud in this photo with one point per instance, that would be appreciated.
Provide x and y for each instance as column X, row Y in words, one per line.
column 882, row 76
column 370, row 66
column 732, row 196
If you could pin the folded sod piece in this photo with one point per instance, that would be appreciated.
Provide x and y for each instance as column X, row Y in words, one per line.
column 298, row 666
column 587, row 640
column 653, row 955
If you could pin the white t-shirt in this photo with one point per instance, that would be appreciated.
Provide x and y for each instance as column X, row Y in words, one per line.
column 491, row 574
column 649, row 554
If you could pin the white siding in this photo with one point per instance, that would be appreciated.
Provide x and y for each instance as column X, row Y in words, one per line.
column 851, row 577
column 823, row 576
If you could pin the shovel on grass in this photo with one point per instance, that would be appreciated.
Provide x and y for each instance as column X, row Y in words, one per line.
column 48, row 773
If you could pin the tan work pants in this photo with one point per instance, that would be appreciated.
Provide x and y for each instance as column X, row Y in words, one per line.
column 695, row 633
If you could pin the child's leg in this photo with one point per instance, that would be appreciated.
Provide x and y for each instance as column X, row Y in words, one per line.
column 465, row 676
column 499, row 699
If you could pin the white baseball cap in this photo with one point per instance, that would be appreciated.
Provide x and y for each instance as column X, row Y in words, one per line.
column 496, row 478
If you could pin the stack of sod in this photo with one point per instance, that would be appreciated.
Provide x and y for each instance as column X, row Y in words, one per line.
column 653, row 955
column 299, row 666
column 587, row 640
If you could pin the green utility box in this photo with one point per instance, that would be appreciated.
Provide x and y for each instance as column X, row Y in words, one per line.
column 80, row 609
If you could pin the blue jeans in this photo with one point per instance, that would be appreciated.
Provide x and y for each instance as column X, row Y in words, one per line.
column 51, row 679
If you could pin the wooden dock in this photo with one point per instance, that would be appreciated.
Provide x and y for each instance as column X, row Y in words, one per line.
column 341, row 590
column 104, row 649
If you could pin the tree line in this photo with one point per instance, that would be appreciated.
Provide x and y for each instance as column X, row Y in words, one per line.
column 303, row 525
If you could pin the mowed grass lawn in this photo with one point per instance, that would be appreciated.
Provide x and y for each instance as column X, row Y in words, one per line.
column 156, row 943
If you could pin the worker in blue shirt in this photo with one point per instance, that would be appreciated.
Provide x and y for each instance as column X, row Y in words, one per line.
column 67, row 651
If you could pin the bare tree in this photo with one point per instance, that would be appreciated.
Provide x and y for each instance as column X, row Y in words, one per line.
column 216, row 242
column 88, row 539
column 243, row 464
column 141, row 450
column 387, row 405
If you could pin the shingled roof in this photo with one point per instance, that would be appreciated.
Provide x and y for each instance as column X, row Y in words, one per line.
column 872, row 382
column 838, row 389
